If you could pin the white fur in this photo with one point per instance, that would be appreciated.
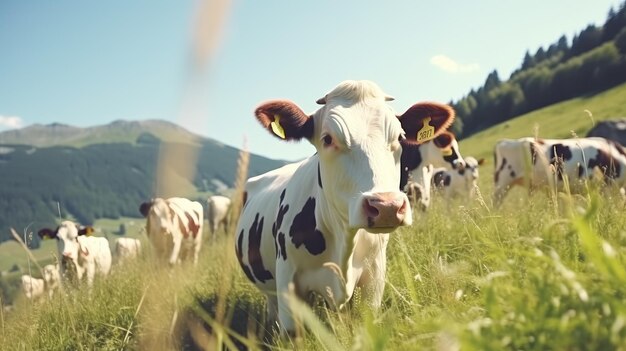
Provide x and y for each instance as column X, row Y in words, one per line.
column 217, row 212
column 127, row 248
column 33, row 288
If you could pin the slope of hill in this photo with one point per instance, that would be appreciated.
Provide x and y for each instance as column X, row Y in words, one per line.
column 563, row 120
column 120, row 131
column 106, row 177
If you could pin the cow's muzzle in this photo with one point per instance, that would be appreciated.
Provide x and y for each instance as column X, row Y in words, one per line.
column 386, row 211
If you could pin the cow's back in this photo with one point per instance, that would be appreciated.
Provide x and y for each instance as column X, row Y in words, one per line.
column 99, row 253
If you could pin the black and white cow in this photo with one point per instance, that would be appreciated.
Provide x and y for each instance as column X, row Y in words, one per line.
column 461, row 182
column 544, row 162
column 321, row 225
column 442, row 151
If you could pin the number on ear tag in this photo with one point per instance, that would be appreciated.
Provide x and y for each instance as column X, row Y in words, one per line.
column 427, row 132
column 277, row 128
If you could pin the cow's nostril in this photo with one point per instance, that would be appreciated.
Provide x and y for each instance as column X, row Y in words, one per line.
column 370, row 210
column 402, row 209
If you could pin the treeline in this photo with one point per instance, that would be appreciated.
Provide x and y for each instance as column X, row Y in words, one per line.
column 39, row 185
column 595, row 61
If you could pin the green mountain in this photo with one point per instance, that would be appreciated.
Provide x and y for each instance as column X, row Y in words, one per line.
column 47, row 171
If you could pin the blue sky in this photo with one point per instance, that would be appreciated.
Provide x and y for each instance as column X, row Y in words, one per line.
column 88, row 63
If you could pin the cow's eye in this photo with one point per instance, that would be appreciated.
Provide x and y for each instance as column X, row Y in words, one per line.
column 327, row 140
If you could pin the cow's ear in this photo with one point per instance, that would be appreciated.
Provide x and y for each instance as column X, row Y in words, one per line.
column 47, row 233
column 144, row 208
column 285, row 120
column 481, row 161
column 85, row 230
column 443, row 140
column 425, row 121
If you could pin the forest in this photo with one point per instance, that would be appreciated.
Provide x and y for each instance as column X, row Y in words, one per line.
column 593, row 62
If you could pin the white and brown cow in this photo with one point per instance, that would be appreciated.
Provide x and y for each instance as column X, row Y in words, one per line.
column 442, row 151
column 544, row 162
column 461, row 182
column 127, row 248
column 51, row 278
column 33, row 288
column 174, row 227
column 79, row 252
column 217, row 210
column 321, row 225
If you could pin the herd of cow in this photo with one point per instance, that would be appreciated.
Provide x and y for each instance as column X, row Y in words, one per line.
column 322, row 225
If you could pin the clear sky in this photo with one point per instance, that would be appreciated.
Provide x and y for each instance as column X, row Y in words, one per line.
column 88, row 63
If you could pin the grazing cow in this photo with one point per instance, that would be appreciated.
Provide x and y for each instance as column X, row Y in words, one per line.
column 442, row 151
column 321, row 225
column 458, row 182
column 612, row 129
column 32, row 287
column 418, row 191
column 174, row 227
column 51, row 278
column 127, row 248
column 82, row 254
column 218, row 208
column 541, row 162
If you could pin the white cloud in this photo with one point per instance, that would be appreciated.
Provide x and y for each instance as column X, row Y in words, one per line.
column 10, row 122
column 449, row 65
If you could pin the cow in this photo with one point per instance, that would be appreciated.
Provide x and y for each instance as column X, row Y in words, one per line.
column 127, row 248
column 51, row 278
column 461, row 182
column 614, row 129
column 418, row 191
column 33, row 288
column 321, row 225
column 546, row 162
column 174, row 227
column 80, row 253
column 218, row 208
column 442, row 151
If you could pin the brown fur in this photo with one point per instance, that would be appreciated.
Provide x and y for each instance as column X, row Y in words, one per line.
column 293, row 120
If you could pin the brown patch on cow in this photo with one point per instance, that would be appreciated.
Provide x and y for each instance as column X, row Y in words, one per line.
column 244, row 267
column 254, row 250
column 518, row 181
column 279, row 238
column 194, row 227
column 410, row 159
column 540, row 141
column 303, row 231
column 441, row 118
column 607, row 164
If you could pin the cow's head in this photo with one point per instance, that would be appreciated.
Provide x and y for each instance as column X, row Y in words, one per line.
column 158, row 214
column 68, row 235
column 357, row 136
column 471, row 167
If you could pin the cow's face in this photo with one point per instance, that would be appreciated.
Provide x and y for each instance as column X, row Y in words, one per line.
column 159, row 216
column 357, row 136
column 68, row 239
column 471, row 167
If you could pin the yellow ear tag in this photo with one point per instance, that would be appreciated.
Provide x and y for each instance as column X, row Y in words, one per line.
column 447, row 151
column 427, row 132
column 277, row 128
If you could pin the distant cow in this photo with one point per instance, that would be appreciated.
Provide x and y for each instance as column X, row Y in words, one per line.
column 33, row 288
column 321, row 225
column 442, row 151
column 174, row 227
column 612, row 129
column 419, row 191
column 218, row 208
column 84, row 255
column 460, row 182
column 51, row 278
column 127, row 248
column 541, row 162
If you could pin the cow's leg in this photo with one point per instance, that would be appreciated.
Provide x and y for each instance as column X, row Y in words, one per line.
column 175, row 251
column 90, row 271
column 284, row 287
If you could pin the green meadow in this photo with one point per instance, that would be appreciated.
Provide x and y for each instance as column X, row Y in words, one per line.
column 545, row 271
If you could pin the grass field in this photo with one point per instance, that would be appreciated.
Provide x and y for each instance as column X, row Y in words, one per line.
column 545, row 271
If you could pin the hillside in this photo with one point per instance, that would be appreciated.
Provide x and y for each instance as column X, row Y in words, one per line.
column 106, row 177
